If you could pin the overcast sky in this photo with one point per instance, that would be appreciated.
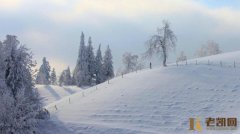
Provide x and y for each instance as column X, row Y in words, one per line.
column 52, row 28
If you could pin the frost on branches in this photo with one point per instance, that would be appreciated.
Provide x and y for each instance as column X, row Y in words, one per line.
column 210, row 48
column 161, row 43
column 43, row 76
column 91, row 69
column 131, row 63
column 80, row 73
column 182, row 57
column 20, row 107
column 65, row 78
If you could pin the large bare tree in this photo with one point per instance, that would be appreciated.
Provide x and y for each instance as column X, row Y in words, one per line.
column 161, row 43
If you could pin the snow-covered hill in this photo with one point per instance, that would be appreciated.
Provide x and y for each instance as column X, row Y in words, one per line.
column 154, row 101
column 50, row 94
column 224, row 59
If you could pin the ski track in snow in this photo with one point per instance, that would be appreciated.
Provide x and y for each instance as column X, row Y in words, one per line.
column 157, row 101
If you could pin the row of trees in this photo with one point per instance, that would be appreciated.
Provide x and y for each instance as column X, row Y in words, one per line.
column 210, row 48
column 20, row 108
column 131, row 61
column 89, row 70
column 45, row 75
column 207, row 49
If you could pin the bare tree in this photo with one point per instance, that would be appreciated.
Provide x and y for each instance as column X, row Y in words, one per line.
column 210, row 48
column 182, row 57
column 213, row 48
column 130, row 61
column 161, row 43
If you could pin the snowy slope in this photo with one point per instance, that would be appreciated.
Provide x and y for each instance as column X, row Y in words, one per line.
column 154, row 101
column 50, row 93
column 226, row 59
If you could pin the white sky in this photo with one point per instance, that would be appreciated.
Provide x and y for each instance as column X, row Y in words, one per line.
column 52, row 28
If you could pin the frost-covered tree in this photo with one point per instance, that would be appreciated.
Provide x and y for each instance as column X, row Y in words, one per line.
column 90, row 62
column 81, row 69
column 1, row 46
column 61, row 78
column 213, row 48
column 43, row 76
column 140, row 65
column 2, row 68
column 99, row 66
column 68, row 77
column 210, row 48
column 1, row 56
column 53, row 77
column 182, row 57
column 18, row 65
column 65, row 77
column 108, row 72
column 20, row 105
column 161, row 43
column 130, row 62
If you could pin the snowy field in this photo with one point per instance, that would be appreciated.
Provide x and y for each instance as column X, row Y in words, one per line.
column 50, row 94
column 157, row 101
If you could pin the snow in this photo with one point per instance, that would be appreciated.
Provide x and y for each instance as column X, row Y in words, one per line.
column 157, row 101
column 50, row 93
column 227, row 59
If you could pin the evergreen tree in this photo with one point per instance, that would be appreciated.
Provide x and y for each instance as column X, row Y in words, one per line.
column 68, row 77
column 90, row 62
column 80, row 71
column 18, row 66
column 108, row 72
column 20, row 105
column 98, row 66
column 53, row 77
column 43, row 76
column 61, row 79
column 1, row 60
column 65, row 77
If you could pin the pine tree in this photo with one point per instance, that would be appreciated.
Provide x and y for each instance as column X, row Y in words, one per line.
column 1, row 60
column 68, row 77
column 108, row 72
column 65, row 78
column 43, row 76
column 80, row 71
column 90, row 62
column 53, row 77
column 61, row 79
column 20, row 105
column 98, row 66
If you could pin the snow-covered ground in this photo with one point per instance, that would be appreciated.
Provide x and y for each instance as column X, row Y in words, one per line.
column 50, row 93
column 157, row 101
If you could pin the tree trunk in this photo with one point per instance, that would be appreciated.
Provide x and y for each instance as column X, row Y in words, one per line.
column 164, row 48
column 164, row 56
